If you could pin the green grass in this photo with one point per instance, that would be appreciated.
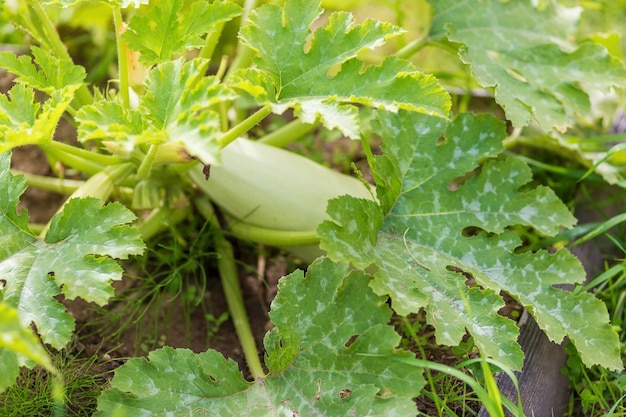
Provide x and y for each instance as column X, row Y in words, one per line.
column 173, row 268
column 596, row 391
column 458, row 380
column 84, row 378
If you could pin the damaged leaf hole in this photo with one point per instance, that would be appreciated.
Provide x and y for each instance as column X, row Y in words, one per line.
column 469, row 278
column 350, row 341
column 457, row 182
column 345, row 393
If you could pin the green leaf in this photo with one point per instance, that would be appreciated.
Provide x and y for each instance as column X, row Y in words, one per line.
column 121, row 3
column 44, row 71
column 441, row 239
column 317, row 73
column 172, row 27
column 74, row 259
column 111, row 120
column 527, row 55
column 174, row 109
column 23, row 121
column 325, row 322
column 18, row 344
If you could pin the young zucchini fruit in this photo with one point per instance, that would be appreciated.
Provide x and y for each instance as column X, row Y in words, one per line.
column 272, row 188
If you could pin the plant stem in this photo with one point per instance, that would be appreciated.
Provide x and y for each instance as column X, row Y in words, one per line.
column 412, row 48
column 232, row 291
column 244, row 126
column 99, row 158
column 273, row 237
column 146, row 165
column 122, row 61
column 287, row 134
column 58, row 395
column 52, row 184
column 83, row 96
column 244, row 53
column 75, row 161
column 159, row 220
column 211, row 41
column 99, row 186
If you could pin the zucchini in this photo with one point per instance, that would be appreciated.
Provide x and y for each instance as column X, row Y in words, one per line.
column 273, row 188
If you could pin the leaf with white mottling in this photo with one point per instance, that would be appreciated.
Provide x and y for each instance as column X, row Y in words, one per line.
column 317, row 73
column 325, row 323
column 440, row 239
column 528, row 56
column 74, row 259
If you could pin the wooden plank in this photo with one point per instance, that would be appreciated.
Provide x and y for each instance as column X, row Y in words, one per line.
column 543, row 388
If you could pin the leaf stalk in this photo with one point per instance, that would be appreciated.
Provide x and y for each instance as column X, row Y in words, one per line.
column 287, row 134
column 122, row 59
column 52, row 184
column 230, row 282
column 83, row 95
column 243, row 127
column 273, row 237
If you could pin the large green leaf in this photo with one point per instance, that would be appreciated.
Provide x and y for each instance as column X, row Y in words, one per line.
column 171, row 27
column 325, row 323
column 112, row 3
column 74, row 259
column 318, row 74
column 528, row 56
column 440, row 239
column 174, row 109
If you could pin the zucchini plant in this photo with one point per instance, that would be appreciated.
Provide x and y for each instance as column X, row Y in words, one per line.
column 435, row 230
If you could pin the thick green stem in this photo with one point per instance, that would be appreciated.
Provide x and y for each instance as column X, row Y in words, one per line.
column 411, row 48
column 416, row 45
column 52, row 184
column 122, row 61
column 244, row 53
column 211, row 41
column 99, row 186
column 232, row 291
column 58, row 395
column 80, row 163
column 273, row 237
column 287, row 134
column 160, row 220
column 146, row 165
column 245, row 126
column 83, row 96
column 81, row 159
column 98, row 158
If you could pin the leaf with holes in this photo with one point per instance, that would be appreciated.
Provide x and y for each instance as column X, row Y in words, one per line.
column 326, row 325
column 317, row 73
column 527, row 55
column 440, row 239
column 74, row 258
